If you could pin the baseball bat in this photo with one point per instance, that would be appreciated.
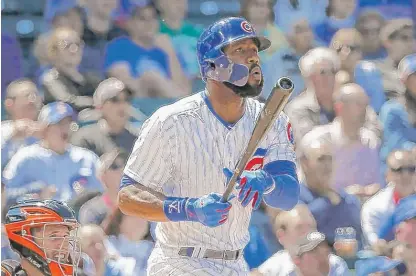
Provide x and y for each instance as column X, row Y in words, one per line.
column 274, row 105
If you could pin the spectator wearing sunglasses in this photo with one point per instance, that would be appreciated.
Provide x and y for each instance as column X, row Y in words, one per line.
column 331, row 208
column 369, row 24
column 348, row 45
column 64, row 82
column 112, row 130
column 398, row 39
column 401, row 176
column 315, row 106
column 399, row 116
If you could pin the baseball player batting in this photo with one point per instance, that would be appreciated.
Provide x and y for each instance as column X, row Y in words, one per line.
column 179, row 166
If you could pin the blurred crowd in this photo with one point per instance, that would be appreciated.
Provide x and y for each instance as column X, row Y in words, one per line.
column 73, row 107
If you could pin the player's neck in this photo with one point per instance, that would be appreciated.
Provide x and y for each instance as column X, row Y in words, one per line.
column 30, row 269
column 228, row 105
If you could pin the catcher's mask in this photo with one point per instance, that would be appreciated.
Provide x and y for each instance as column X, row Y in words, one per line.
column 45, row 234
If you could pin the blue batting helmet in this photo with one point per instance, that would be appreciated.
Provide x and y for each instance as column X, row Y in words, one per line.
column 213, row 63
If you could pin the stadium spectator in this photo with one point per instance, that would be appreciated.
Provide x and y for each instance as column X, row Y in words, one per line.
column 22, row 104
column 305, row 250
column 260, row 14
column 113, row 129
column 369, row 24
column 389, row 8
column 398, row 40
column 96, row 209
column 355, row 148
column 71, row 18
column 340, row 14
column 399, row 176
column 130, row 236
column 315, row 106
column 52, row 168
column 348, row 45
column 331, row 209
column 182, row 33
column 288, row 11
column 301, row 40
column 398, row 116
column 99, row 29
column 140, row 62
column 99, row 260
column 376, row 266
column 64, row 82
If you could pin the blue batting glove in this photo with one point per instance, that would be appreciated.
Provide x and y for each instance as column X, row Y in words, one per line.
column 208, row 210
column 253, row 185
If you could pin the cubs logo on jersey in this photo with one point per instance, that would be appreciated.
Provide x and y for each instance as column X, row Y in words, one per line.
column 257, row 161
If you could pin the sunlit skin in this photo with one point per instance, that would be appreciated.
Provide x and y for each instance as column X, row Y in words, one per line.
column 26, row 103
column 56, row 136
column 115, row 112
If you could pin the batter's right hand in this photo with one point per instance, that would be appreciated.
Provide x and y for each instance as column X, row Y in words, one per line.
column 208, row 210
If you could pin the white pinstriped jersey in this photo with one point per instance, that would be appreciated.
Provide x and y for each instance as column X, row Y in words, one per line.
column 181, row 151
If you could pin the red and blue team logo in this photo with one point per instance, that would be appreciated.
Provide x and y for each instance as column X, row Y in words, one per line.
column 290, row 134
column 257, row 161
column 246, row 27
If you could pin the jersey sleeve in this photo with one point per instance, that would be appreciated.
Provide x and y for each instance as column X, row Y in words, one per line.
column 151, row 161
column 281, row 145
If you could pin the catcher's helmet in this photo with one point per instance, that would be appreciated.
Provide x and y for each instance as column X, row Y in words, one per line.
column 212, row 42
column 33, row 228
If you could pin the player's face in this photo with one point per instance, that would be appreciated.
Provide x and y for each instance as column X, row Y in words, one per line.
column 55, row 240
column 246, row 52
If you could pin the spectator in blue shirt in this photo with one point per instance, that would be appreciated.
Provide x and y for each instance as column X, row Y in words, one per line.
column 399, row 116
column 52, row 168
column 341, row 14
column 285, row 62
column 137, row 60
column 22, row 105
column 369, row 24
column 331, row 209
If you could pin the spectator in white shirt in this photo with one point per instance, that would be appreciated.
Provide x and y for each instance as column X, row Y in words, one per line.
column 402, row 183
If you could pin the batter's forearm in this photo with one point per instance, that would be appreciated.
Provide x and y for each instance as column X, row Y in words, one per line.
column 138, row 200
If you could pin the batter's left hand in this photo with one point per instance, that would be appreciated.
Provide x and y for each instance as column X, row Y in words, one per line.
column 253, row 185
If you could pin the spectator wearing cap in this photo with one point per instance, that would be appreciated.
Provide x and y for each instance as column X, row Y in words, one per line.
column 331, row 208
column 307, row 254
column 348, row 45
column 139, row 61
column 113, row 129
column 403, row 222
column 340, row 14
column 301, row 39
column 52, row 168
column 398, row 116
column 315, row 106
column 98, row 208
column 183, row 34
column 22, row 104
column 355, row 148
column 398, row 40
column 369, row 23
column 400, row 174
column 64, row 82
